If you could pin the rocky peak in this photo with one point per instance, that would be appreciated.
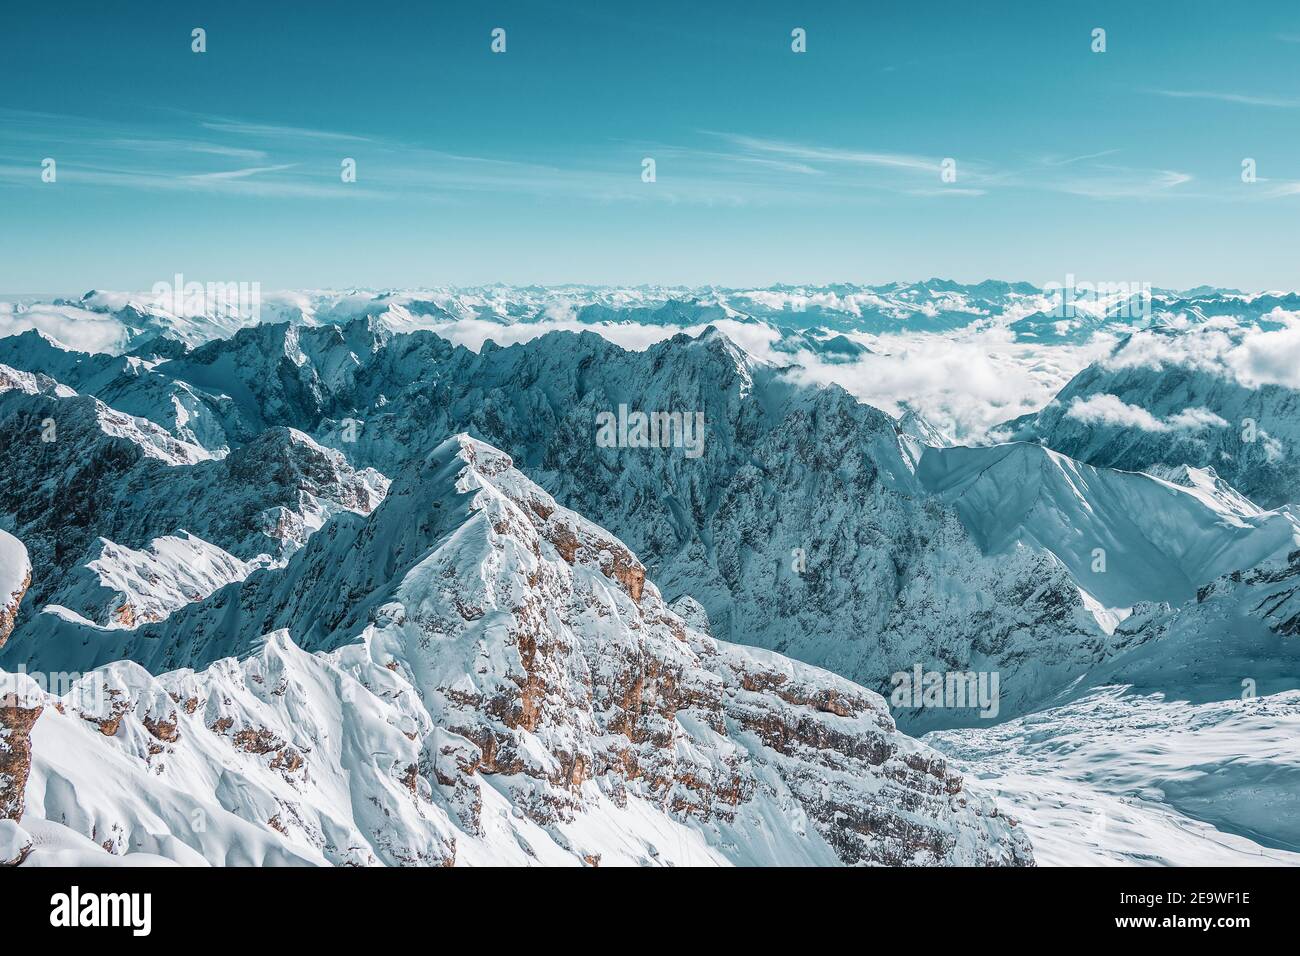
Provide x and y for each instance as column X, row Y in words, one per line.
column 519, row 691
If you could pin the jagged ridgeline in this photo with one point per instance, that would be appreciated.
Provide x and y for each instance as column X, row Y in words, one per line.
column 801, row 526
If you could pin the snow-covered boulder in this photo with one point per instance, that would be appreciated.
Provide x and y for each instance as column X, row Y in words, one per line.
column 15, row 843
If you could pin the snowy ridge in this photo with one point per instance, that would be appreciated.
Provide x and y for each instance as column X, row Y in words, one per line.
column 30, row 383
column 77, row 471
column 123, row 587
column 117, row 322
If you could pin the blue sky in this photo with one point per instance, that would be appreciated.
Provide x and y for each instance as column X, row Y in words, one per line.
column 525, row 167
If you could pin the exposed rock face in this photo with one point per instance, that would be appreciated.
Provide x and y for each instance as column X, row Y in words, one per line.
column 519, row 692
column 15, row 754
column 9, row 608
column 15, row 579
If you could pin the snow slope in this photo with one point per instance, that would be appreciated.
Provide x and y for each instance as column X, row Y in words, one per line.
column 1180, row 751
column 1125, row 537
column 122, row 587
column 1119, row 778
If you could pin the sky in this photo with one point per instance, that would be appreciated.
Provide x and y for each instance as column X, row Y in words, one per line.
column 526, row 167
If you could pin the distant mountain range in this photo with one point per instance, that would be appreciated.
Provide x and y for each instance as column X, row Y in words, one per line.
column 120, row 321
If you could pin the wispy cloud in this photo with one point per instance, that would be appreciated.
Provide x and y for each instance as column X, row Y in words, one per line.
column 271, row 160
column 240, row 173
column 857, row 172
column 1111, row 182
column 1071, row 160
column 946, row 191
column 1246, row 99
column 1281, row 189
column 277, row 131
column 722, row 169
column 780, row 165
column 831, row 155
column 185, row 146
column 236, row 182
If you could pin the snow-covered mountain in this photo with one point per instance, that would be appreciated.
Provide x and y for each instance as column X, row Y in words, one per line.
column 966, row 356
column 1125, row 537
column 1209, row 396
column 208, row 504
column 79, row 476
column 492, row 679
column 800, row 526
column 120, row 321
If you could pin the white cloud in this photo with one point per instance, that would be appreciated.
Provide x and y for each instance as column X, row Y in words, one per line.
column 1111, row 410
column 1196, row 419
column 1269, row 357
column 966, row 382
column 1246, row 99
column 1250, row 355
column 1198, row 348
column 73, row 328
